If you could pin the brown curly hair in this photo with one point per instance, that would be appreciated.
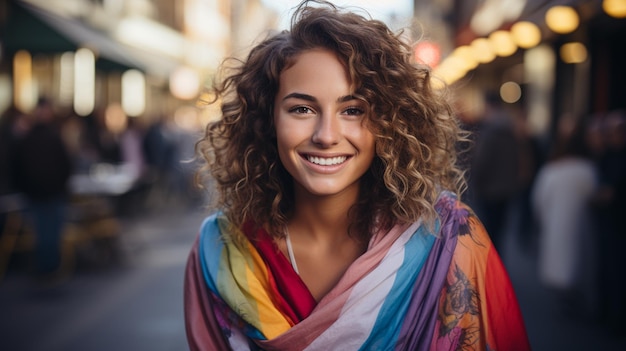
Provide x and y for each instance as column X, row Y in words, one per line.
column 416, row 132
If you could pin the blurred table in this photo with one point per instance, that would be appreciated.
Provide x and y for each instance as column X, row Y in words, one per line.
column 93, row 218
column 105, row 180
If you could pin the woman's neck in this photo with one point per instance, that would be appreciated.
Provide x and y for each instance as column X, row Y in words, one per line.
column 320, row 245
column 322, row 218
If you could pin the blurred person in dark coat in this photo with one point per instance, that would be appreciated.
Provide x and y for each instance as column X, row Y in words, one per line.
column 13, row 125
column 42, row 168
column 494, row 167
column 610, row 210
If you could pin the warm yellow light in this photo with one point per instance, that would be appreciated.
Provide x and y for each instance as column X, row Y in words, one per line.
column 562, row 19
column 184, row 83
column 450, row 70
column 510, row 92
column 466, row 56
column 573, row 53
column 456, row 67
column 84, row 81
column 437, row 84
column 615, row 8
column 133, row 93
column 502, row 43
column 483, row 53
column 66, row 79
column 526, row 34
column 115, row 119
column 24, row 93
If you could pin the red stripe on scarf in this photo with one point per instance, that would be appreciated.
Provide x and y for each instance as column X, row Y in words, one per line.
column 291, row 295
column 505, row 318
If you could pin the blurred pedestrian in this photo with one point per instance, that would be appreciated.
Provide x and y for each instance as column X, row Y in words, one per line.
column 13, row 125
column 531, row 157
column 610, row 210
column 494, row 180
column 42, row 168
column 82, row 150
column 103, row 139
column 159, row 149
column 561, row 200
column 131, row 149
column 339, row 223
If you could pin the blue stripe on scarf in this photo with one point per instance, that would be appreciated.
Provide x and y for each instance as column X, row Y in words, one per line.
column 210, row 251
column 388, row 324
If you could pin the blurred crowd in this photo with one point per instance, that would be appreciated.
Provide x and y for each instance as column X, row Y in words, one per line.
column 56, row 166
column 565, row 194
column 154, row 152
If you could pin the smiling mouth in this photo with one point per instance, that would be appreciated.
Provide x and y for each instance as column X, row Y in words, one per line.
column 326, row 161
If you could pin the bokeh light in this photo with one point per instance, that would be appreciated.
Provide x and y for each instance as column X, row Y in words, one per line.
column 574, row 52
column 526, row 34
column 562, row 19
column 483, row 53
column 510, row 92
column 502, row 43
column 615, row 8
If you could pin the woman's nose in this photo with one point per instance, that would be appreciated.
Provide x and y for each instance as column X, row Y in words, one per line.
column 327, row 131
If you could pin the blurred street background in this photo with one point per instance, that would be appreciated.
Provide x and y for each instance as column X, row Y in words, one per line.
column 101, row 102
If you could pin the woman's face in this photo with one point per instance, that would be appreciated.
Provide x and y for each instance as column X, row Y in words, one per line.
column 321, row 129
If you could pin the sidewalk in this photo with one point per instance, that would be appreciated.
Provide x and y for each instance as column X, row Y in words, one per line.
column 547, row 328
column 132, row 305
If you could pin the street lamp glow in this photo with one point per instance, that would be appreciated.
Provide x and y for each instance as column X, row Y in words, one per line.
column 24, row 93
column 483, row 53
column 573, row 52
column 526, row 34
column 562, row 19
column 84, row 81
column 502, row 43
column 615, row 8
column 466, row 56
column 133, row 92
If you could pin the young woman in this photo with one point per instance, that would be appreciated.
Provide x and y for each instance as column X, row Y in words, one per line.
column 338, row 223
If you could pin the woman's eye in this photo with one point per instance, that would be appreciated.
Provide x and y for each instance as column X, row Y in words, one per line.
column 354, row 111
column 301, row 110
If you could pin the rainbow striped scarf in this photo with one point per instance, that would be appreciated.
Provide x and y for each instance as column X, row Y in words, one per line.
column 411, row 290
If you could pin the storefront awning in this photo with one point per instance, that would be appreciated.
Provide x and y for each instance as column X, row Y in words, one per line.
column 38, row 31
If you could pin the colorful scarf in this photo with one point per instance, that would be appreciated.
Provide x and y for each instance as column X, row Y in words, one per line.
column 413, row 289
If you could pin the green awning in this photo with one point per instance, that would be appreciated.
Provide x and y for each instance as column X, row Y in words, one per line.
column 33, row 29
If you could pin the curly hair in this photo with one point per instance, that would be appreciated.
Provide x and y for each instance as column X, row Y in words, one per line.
column 415, row 129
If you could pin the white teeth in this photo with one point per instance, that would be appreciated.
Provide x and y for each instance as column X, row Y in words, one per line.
column 327, row 161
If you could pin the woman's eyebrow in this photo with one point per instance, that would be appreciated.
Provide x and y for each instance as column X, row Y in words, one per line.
column 300, row 96
column 313, row 99
column 346, row 98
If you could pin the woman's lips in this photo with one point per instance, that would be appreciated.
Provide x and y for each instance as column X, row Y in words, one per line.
column 326, row 161
column 325, row 164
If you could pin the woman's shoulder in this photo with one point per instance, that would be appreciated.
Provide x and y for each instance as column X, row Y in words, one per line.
column 451, row 209
column 458, row 219
column 214, row 225
column 210, row 222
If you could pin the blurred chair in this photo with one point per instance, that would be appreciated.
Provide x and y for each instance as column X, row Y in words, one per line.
column 92, row 229
column 91, row 226
column 16, row 233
